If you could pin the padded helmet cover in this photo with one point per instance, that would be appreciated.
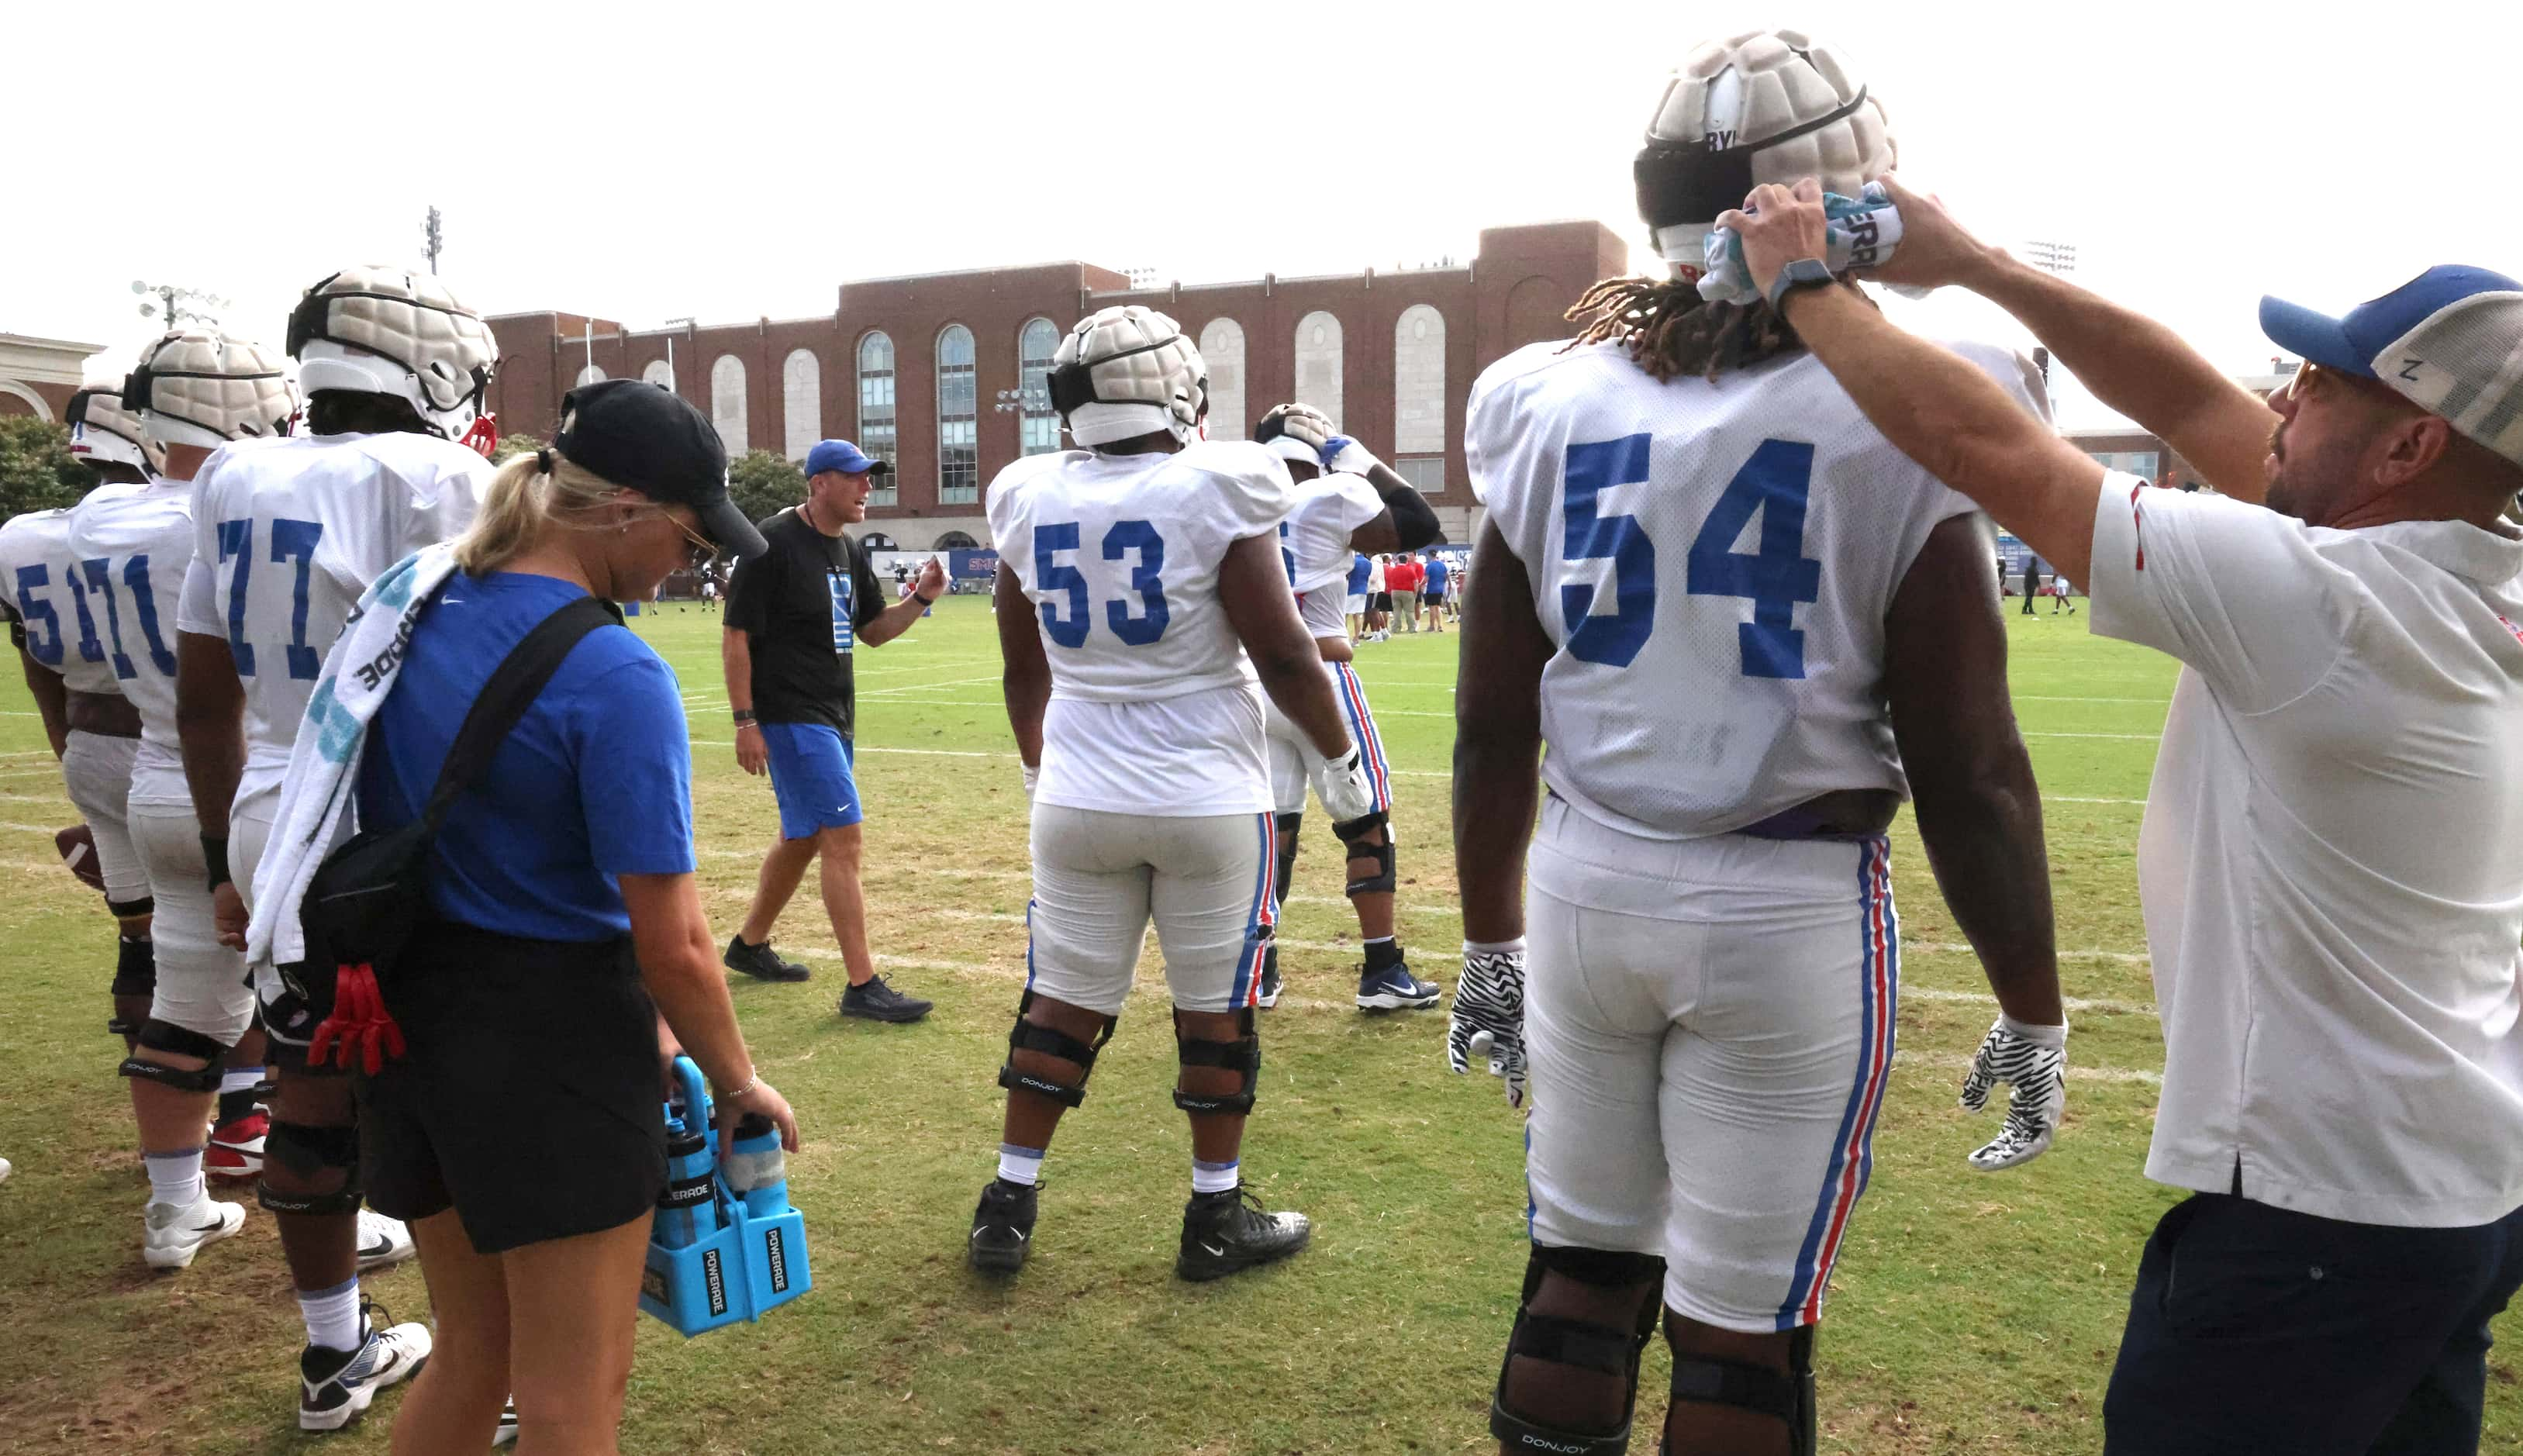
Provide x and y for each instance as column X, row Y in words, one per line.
column 1129, row 370
column 198, row 386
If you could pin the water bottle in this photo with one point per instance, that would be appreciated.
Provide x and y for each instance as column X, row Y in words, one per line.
column 687, row 1209
column 757, row 1169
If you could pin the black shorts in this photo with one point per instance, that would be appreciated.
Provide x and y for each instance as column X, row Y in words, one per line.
column 528, row 1100
column 1382, row 601
column 2255, row 1327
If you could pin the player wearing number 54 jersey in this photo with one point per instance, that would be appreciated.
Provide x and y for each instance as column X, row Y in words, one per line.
column 1143, row 610
column 1745, row 627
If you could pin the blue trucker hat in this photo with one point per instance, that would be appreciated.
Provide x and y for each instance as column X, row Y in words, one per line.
column 2449, row 340
column 843, row 456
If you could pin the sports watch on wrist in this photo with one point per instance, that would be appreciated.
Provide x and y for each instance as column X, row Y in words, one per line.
column 1805, row 272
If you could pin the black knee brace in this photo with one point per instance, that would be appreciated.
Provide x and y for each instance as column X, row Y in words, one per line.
column 126, row 910
column 1243, row 1055
column 167, row 1036
column 1381, row 882
column 1287, row 825
column 1030, row 1036
column 135, row 967
column 1578, row 1343
column 1757, row 1387
column 310, row 1152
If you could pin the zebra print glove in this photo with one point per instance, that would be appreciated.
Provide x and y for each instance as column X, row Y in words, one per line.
column 2033, row 1062
column 1488, row 1019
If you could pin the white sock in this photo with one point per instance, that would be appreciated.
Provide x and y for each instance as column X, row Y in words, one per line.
column 1021, row 1164
column 240, row 1079
column 175, row 1178
column 332, row 1315
column 1215, row 1178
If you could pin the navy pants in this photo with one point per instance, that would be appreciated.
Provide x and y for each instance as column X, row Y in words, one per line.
column 2254, row 1329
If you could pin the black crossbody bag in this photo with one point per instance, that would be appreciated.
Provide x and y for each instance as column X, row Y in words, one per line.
column 368, row 896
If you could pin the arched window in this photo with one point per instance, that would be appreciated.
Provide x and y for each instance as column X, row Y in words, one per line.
column 587, row 376
column 1039, row 425
column 1319, row 363
column 876, row 411
column 1419, row 397
column 1221, row 348
column 802, row 401
column 660, row 373
column 955, row 541
column 727, row 403
column 959, row 447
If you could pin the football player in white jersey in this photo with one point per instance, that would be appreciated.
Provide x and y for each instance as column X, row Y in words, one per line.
column 94, row 729
column 195, row 389
column 1733, row 712
column 287, row 533
column 1142, row 610
column 1346, row 501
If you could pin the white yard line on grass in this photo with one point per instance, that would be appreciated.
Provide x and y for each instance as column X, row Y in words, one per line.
column 2073, row 1002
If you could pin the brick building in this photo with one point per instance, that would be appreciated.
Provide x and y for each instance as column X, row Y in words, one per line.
column 943, row 373
column 38, row 376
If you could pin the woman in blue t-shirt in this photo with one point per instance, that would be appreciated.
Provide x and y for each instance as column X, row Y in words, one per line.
column 521, row 1135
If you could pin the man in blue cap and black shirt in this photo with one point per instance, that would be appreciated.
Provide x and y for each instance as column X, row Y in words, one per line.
column 794, row 617
column 2332, row 862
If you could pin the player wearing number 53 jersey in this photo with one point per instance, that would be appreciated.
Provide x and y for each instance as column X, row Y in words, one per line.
column 1734, row 616
column 1143, row 610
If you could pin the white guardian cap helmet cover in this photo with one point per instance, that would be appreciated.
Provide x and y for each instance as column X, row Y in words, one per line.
column 384, row 331
column 201, row 387
column 1129, row 370
column 104, row 432
column 1766, row 106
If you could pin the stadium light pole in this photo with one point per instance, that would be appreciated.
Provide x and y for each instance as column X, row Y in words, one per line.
column 433, row 238
column 179, row 306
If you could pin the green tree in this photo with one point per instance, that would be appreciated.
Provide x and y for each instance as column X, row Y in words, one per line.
column 764, row 484
column 513, row 443
column 37, row 471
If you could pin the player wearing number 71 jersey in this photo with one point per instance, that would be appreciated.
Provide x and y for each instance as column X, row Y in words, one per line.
column 288, row 533
column 1143, row 610
column 1745, row 627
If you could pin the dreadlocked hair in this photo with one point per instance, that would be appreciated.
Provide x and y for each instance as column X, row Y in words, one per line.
column 1671, row 331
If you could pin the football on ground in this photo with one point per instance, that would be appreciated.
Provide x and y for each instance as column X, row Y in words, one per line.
column 1969, row 1311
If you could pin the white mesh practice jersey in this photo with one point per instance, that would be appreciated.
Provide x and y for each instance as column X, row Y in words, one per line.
column 42, row 586
column 1313, row 541
column 1155, row 707
column 287, row 533
column 1715, row 561
column 132, row 550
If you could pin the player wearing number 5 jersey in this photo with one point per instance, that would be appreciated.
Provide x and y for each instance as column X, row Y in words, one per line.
column 1744, row 625
column 1143, row 610
column 194, row 389
column 288, row 533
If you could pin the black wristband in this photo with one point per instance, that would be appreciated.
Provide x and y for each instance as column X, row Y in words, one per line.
column 215, row 854
column 926, row 602
column 743, row 717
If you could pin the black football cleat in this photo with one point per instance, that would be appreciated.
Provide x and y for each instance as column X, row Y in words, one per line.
column 1225, row 1232
column 1002, row 1228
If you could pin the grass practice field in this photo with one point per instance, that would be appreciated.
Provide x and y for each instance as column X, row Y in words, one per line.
column 1969, row 1311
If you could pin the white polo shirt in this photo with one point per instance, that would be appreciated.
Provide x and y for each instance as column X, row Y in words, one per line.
column 2332, row 861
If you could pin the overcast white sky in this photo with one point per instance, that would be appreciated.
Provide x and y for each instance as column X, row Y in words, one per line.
column 731, row 159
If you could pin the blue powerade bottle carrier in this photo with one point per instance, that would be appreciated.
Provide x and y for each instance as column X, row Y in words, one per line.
column 705, row 1272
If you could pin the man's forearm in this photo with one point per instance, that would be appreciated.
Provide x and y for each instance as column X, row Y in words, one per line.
column 893, row 620
column 2142, row 369
column 1955, row 421
column 735, row 662
column 210, row 727
column 52, row 701
column 1984, row 842
column 1497, row 789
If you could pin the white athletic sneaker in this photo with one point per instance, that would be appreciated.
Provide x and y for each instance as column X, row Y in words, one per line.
column 507, row 1432
column 5, row 1170
column 383, row 1242
column 171, row 1235
column 335, row 1385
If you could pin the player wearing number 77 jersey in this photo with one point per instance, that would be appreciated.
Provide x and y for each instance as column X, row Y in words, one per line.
column 1745, row 627
column 1143, row 611
column 288, row 533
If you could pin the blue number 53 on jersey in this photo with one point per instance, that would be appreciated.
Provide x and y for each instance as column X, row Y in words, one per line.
column 1773, row 482
column 1051, row 576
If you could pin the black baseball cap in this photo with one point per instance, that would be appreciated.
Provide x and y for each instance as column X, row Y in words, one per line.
column 644, row 436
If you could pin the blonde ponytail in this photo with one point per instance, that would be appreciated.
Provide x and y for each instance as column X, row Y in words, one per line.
column 530, row 494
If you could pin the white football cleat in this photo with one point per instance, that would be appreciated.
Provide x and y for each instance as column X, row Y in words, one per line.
column 335, row 1385
column 383, row 1242
column 173, row 1233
